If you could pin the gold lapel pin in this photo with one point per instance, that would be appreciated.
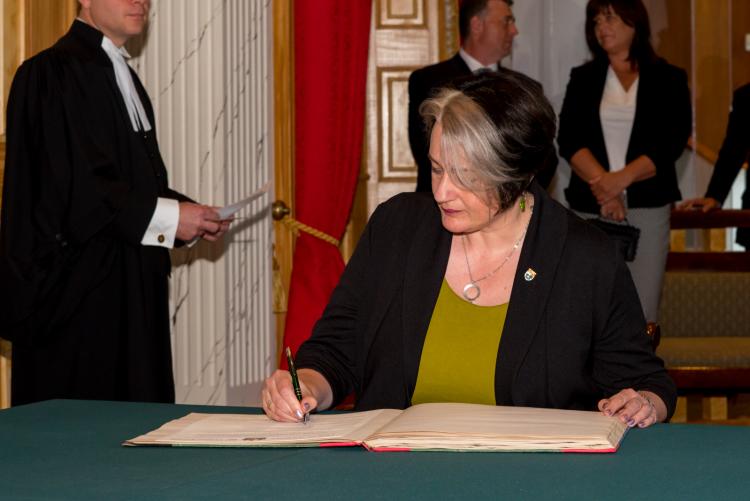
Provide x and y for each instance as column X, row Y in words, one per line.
column 529, row 275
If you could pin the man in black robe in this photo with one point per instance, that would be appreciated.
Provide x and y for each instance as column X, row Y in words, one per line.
column 87, row 220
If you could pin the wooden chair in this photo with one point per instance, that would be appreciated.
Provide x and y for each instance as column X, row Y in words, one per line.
column 653, row 331
column 705, row 316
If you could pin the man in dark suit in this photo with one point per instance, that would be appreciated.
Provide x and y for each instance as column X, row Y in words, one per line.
column 487, row 29
column 734, row 152
column 87, row 219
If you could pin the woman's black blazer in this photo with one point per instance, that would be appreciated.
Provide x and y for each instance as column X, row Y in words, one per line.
column 661, row 128
column 572, row 335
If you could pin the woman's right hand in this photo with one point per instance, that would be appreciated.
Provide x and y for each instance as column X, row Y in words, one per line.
column 279, row 400
column 704, row 204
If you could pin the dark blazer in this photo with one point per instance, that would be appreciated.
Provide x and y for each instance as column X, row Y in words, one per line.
column 572, row 335
column 661, row 128
column 423, row 83
column 735, row 150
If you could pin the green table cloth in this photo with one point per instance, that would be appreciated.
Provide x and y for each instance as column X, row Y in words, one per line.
column 67, row 449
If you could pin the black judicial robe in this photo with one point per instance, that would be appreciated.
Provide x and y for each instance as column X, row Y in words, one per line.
column 84, row 303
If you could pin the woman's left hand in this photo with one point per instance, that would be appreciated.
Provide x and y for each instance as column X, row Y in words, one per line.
column 634, row 408
column 609, row 185
column 613, row 209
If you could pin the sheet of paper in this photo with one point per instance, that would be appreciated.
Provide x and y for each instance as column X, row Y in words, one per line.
column 484, row 427
column 500, row 421
column 255, row 429
column 230, row 210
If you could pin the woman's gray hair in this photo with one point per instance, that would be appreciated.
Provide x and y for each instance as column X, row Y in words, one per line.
column 501, row 125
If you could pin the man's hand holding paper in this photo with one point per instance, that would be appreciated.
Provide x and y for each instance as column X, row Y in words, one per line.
column 200, row 221
column 210, row 223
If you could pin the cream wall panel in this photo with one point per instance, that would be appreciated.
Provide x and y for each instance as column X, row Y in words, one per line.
column 409, row 13
column 405, row 35
column 406, row 47
column 396, row 160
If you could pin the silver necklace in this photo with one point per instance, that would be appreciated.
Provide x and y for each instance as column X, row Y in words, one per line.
column 471, row 290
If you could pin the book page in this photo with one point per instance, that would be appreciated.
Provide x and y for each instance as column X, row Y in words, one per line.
column 472, row 426
column 257, row 430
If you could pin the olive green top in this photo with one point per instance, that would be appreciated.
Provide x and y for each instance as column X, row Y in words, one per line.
column 460, row 351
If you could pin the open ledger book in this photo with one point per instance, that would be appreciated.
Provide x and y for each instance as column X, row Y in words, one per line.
column 437, row 426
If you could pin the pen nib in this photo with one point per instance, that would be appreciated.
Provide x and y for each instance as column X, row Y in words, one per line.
column 306, row 419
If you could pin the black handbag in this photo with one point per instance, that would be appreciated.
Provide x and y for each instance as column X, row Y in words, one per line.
column 625, row 235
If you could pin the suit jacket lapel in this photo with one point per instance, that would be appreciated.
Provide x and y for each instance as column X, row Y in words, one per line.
column 109, row 71
column 87, row 41
column 426, row 263
column 641, row 104
column 459, row 65
column 597, row 91
column 540, row 254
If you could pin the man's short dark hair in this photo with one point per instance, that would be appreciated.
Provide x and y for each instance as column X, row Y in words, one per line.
column 468, row 9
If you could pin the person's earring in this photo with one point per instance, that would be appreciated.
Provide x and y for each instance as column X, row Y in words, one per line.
column 522, row 203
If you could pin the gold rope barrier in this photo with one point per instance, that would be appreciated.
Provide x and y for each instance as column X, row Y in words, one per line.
column 281, row 212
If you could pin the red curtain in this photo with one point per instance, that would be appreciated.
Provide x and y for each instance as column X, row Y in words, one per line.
column 330, row 51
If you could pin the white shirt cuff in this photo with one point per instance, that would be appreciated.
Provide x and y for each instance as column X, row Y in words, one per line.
column 162, row 228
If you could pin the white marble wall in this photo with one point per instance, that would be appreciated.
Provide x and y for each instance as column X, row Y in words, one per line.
column 207, row 65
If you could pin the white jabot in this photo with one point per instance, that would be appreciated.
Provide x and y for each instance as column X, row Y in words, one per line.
column 617, row 112
column 125, row 82
column 162, row 228
column 473, row 64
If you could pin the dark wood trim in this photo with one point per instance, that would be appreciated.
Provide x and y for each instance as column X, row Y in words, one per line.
column 709, row 261
column 702, row 262
column 706, row 380
column 283, row 68
column 722, row 218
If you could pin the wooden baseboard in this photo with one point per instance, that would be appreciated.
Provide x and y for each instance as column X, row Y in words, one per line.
column 4, row 374
column 711, row 380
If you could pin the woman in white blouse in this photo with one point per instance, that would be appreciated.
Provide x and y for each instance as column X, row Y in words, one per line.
column 625, row 120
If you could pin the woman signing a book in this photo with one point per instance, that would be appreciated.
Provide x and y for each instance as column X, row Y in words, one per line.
column 486, row 292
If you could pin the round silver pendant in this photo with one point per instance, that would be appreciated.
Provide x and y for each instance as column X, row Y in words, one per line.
column 471, row 291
